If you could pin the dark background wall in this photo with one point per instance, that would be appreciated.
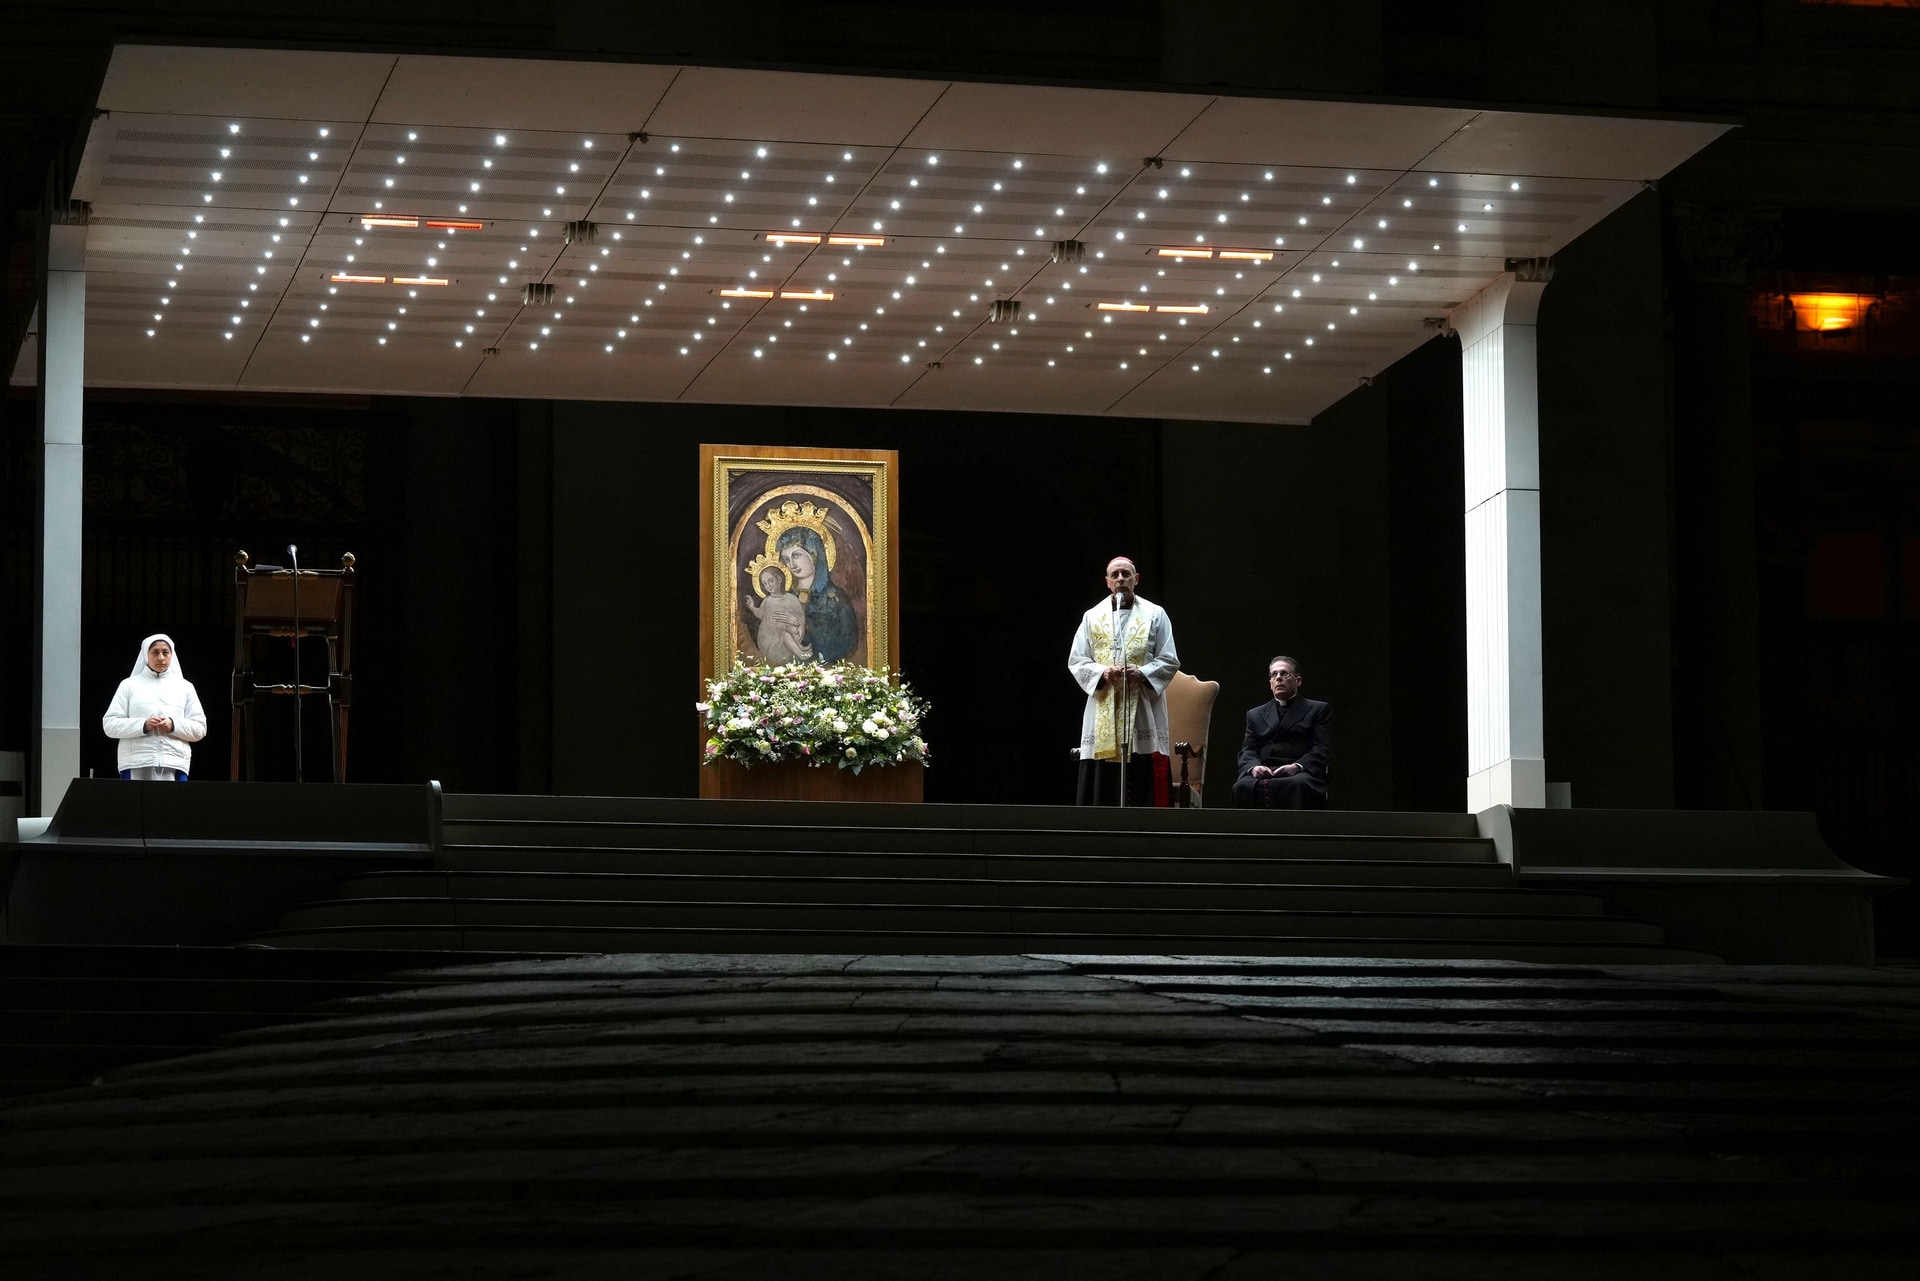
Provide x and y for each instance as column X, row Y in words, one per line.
column 1006, row 524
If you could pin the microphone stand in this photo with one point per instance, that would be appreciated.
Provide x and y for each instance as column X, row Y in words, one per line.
column 293, row 554
column 1124, row 736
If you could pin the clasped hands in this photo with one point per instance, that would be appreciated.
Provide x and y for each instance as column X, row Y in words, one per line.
column 1115, row 675
column 159, row 724
column 1269, row 771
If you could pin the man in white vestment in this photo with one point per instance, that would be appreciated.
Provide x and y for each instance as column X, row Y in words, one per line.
column 1123, row 659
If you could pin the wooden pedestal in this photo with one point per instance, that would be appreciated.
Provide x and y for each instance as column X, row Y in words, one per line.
column 793, row 781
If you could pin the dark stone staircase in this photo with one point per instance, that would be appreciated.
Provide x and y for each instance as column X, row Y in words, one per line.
column 68, row 1014
column 574, row 874
column 950, row 1118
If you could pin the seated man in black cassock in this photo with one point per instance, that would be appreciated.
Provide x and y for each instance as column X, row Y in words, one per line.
column 1289, row 740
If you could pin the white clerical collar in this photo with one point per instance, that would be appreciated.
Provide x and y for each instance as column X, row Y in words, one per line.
column 1282, row 702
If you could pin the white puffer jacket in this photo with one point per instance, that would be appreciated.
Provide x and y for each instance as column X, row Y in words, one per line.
column 149, row 693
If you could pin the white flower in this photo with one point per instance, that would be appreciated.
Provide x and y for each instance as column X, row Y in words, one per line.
column 869, row 727
column 851, row 754
column 839, row 726
column 881, row 733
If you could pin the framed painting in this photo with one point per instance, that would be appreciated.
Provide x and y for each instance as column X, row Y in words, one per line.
column 799, row 552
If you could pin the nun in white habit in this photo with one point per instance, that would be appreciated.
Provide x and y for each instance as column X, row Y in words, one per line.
column 155, row 713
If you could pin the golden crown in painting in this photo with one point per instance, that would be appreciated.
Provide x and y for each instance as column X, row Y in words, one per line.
column 789, row 514
column 766, row 560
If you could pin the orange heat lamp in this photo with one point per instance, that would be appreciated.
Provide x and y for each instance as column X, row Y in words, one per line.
column 746, row 293
column 457, row 224
column 1123, row 306
column 347, row 278
column 387, row 220
column 1186, row 253
column 791, row 238
column 1197, row 309
column 808, row 295
column 1827, row 313
column 865, row 242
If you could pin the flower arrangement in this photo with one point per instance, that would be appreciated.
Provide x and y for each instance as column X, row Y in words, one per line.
column 839, row 714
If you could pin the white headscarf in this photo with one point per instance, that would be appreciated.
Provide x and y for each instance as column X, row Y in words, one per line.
column 173, row 672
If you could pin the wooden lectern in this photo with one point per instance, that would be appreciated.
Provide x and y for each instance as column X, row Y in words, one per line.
column 265, row 607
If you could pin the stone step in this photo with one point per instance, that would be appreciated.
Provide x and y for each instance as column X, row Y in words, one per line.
column 1073, row 867
column 91, row 993
column 879, row 838
column 784, row 942
column 929, row 889
column 68, row 1013
column 83, row 1027
column 1193, row 924
column 871, row 1115
column 474, row 808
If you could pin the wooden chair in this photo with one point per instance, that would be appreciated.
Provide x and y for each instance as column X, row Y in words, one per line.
column 264, row 608
column 1189, row 717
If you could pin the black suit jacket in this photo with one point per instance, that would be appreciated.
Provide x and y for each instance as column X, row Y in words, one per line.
column 1304, row 734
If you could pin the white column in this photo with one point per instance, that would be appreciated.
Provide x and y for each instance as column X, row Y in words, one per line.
column 1506, row 746
column 63, row 317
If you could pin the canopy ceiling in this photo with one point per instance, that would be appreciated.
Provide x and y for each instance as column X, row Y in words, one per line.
column 230, row 187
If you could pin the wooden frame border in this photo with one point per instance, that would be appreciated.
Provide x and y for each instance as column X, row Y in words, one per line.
column 718, row 465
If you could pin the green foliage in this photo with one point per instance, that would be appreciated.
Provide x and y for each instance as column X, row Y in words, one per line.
column 833, row 714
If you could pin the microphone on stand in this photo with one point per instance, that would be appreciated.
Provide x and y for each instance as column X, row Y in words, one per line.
column 293, row 558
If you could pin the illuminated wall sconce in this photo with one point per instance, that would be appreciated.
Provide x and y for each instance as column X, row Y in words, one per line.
column 1829, row 313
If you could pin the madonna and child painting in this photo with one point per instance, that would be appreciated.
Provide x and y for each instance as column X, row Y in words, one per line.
column 799, row 557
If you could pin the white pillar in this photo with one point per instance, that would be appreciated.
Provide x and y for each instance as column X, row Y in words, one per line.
column 1506, row 745
column 63, row 318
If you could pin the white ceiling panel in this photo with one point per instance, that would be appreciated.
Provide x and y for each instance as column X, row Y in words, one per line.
column 647, row 375
column 290, row 357
column 1019, row 387
column 190, row 353
column 792, row 106
column 1292, row 131
column 526, row 95
column 1529, row 144
column 479, row 173
column 1114, row 125
column 261, row 84
column 700, row 261
column 214, row 162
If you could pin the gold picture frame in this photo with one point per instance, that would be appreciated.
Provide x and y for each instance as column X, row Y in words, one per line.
column 799, row 553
